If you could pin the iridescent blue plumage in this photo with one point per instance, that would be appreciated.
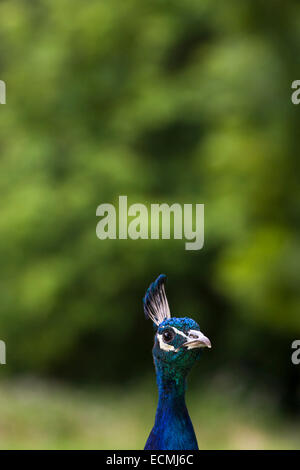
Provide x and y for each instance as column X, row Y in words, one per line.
column 177, row 346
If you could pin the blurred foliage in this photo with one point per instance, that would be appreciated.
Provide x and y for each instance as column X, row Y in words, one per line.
column 39, row 415
column 181, row 101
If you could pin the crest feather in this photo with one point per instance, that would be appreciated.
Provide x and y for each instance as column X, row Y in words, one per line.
column 156, row 305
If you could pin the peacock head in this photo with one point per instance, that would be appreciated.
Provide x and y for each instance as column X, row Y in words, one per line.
column 178, row 341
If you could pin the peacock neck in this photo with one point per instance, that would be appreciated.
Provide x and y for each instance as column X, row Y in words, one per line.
column 171, row 384
column 173, row 429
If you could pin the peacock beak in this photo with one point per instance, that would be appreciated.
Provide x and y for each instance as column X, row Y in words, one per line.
column 197, row 340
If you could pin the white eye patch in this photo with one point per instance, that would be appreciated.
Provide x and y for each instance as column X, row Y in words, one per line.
column 193, row 339
column 168, row 347
column 178, row 332
column 164, row 346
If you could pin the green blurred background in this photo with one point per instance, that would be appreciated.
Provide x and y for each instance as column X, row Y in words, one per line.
column 182, row 101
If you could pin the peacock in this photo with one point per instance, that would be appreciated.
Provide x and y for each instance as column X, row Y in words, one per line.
column 177, row 346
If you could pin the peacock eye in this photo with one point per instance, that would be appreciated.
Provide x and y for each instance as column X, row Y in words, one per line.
column 168, row 335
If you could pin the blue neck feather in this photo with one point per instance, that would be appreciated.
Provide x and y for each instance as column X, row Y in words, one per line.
column 173, row 429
